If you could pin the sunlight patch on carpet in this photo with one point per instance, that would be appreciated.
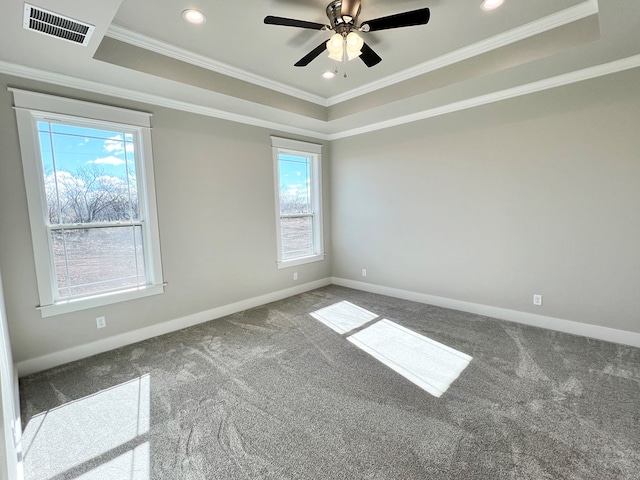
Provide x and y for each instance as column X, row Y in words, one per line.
column 131, row 465
column 78, row 434
column 343, row 316
column 429, row 364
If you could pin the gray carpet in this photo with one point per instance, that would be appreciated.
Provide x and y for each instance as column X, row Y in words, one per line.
column 272, row 393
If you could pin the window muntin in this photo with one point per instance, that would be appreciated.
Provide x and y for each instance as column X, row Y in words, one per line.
column 89, row 181
column 298, row 202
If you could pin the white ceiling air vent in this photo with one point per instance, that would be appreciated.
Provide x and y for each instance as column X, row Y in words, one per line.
column 56, row 25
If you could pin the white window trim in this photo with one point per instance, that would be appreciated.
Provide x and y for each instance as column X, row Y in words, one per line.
column 296, row 147
column 30, row 107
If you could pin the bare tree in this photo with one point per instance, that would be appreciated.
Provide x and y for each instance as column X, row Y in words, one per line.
column 89, row 195
column 293, row 201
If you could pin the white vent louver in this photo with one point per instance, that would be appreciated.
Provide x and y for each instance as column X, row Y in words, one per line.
column 40, row 20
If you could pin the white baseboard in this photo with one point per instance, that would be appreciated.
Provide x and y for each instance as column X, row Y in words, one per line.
column 550, row 323
column 33, row 365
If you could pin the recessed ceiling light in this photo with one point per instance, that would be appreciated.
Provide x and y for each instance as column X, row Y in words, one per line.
column 329, row 74
column 194, row 16
column 491, row 4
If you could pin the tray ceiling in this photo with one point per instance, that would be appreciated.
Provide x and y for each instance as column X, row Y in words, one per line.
column 234, row 66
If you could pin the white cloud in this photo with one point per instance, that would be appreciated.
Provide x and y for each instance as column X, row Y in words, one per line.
column 116, row 145
column 61, row 176
column 63, row 180
column 106, row 179
column 111, row 160
column 66, row 181
column 293, row 189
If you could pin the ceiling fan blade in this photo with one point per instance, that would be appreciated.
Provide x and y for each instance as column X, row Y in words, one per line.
column 405, row 19
column 290, row 22
column 306, row 60
column 369, row 57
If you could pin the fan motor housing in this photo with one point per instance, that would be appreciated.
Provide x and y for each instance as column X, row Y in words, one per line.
column 342, row 21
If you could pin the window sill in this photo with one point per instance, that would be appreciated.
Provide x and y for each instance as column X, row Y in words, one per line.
column 78, row 304
column 300, row 261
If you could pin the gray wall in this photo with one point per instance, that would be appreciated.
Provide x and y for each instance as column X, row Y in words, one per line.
column 538, row 194
column 215, row 195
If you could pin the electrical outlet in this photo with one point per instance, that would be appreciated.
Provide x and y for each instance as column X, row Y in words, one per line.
column 295, row 275
column 364, row 272
column 537, row 300
column 101, row 322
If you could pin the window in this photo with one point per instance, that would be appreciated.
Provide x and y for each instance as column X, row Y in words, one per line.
column 297, row 167
column 89, row 180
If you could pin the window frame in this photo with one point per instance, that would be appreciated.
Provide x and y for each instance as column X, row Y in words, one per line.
column 31, row 107
column 314, row 153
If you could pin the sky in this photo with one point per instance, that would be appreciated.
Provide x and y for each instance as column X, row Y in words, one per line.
column 79, row 147
column 294, row 173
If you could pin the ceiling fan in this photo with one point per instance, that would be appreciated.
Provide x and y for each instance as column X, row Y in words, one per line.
column 346, row 44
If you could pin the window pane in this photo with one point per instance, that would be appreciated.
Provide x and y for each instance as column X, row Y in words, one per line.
column 89, row 174
column 296, row 236
column 295, row 184
column 95, row 260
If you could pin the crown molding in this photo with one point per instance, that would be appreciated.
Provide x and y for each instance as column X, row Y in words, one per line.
column 558, row 19
column 148, row 43
column 538, row 86
column 128, row 94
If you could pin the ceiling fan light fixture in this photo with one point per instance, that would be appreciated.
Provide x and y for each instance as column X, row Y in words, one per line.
column 354, row 45
column 335, row 46
column 488, row 5
column 354, row 41
column 194, row 16
column 329, row 74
